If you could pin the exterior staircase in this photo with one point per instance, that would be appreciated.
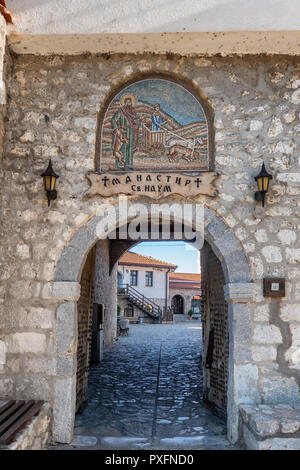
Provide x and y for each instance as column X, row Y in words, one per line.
column 136, row 299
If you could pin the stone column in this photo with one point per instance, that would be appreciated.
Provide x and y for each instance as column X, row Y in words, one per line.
column 242, row 373
column 66, row 364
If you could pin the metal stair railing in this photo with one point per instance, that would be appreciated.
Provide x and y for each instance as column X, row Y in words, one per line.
column 141, row 301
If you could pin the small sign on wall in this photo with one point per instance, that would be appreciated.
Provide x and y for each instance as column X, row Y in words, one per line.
column 274, row 287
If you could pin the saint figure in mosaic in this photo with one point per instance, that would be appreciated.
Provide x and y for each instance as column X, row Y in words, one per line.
column 125, row 125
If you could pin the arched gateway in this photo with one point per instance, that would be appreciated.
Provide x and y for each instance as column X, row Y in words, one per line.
column 65, row 290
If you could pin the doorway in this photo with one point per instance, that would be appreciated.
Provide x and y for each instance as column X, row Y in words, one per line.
column 66, row 288
column 178, row 305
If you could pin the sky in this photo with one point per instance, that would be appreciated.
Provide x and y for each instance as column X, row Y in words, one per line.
column 185, row 256
column 173, row 99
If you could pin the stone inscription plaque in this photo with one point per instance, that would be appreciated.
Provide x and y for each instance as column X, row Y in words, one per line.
column 154, row 185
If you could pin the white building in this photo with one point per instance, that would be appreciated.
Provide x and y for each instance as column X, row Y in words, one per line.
column 148, row 284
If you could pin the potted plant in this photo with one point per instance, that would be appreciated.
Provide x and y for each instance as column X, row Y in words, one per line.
column 190, row 313
column 118, row 310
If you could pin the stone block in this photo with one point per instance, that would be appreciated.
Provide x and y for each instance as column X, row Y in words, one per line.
column 263, row 425
column 66, row 365
column 21, row 289
column 274, row 443
column 65, row 290
column 33, row 387
column 216, row 228
column 225, row 245
column 37, row 317
column 261, row 313
column 293, row 254
column 92, row 225
column 277, row 389
column 26, row 343
column 66, row 328
column 242, row 353
column 82, row 240
column 264, row 353
column 272, row 254
column 69, row 265
column 40, row 365
column 287, row 237
column 241, row 323
column 6, row 387
column 236, row 267
column 238, row 292
column 64, row 409
column 245, row 379
column 290, row 426
column 267, row 334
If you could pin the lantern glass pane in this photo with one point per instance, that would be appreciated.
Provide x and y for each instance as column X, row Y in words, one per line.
column 260, row 184
column 265, row 183
column 53, row 180
column 47, row 182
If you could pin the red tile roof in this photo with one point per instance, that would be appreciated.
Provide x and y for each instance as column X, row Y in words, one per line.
column 185, row 277
column 134, row 259
column 7, row 14
column 184, row 281
column 184, row 285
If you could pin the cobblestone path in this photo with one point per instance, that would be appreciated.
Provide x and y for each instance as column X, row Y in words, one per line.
column 146, row 393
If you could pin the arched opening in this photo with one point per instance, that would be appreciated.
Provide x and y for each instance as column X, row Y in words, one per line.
column 237, row 290
column 178, row 305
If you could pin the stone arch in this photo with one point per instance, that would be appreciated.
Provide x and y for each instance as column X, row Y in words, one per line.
column 65, row 290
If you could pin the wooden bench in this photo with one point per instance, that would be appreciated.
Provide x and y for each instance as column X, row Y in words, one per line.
column 15, row 415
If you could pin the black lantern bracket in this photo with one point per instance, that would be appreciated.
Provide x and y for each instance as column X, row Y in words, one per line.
column 263, row 180
column 49, row 176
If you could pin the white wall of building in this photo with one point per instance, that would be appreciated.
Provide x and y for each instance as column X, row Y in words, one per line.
column 143, row 16
column 130, row 26
column 158, row 291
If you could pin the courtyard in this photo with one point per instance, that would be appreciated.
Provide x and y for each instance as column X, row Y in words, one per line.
column 147, row 394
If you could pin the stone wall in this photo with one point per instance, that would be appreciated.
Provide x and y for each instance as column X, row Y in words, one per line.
column 36, row 434
column 215, row 316
column 85, row 309
column 187, row 295
column 52, row 113
column 105, row 290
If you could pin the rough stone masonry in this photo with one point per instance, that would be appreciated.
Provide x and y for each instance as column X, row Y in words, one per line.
column 52, row 108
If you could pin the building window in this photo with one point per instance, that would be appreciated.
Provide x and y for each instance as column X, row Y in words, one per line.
column 149, row 279
column 133, row 278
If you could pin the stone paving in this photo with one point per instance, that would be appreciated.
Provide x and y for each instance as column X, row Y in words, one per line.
column 146, row 394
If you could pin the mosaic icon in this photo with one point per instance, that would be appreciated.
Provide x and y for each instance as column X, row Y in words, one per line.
column 154, row 124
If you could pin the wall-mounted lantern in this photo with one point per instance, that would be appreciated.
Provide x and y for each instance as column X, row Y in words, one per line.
column 50, row 178
column 262, row 180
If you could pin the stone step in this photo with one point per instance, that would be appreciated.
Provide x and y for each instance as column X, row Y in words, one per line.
column 270, row 427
